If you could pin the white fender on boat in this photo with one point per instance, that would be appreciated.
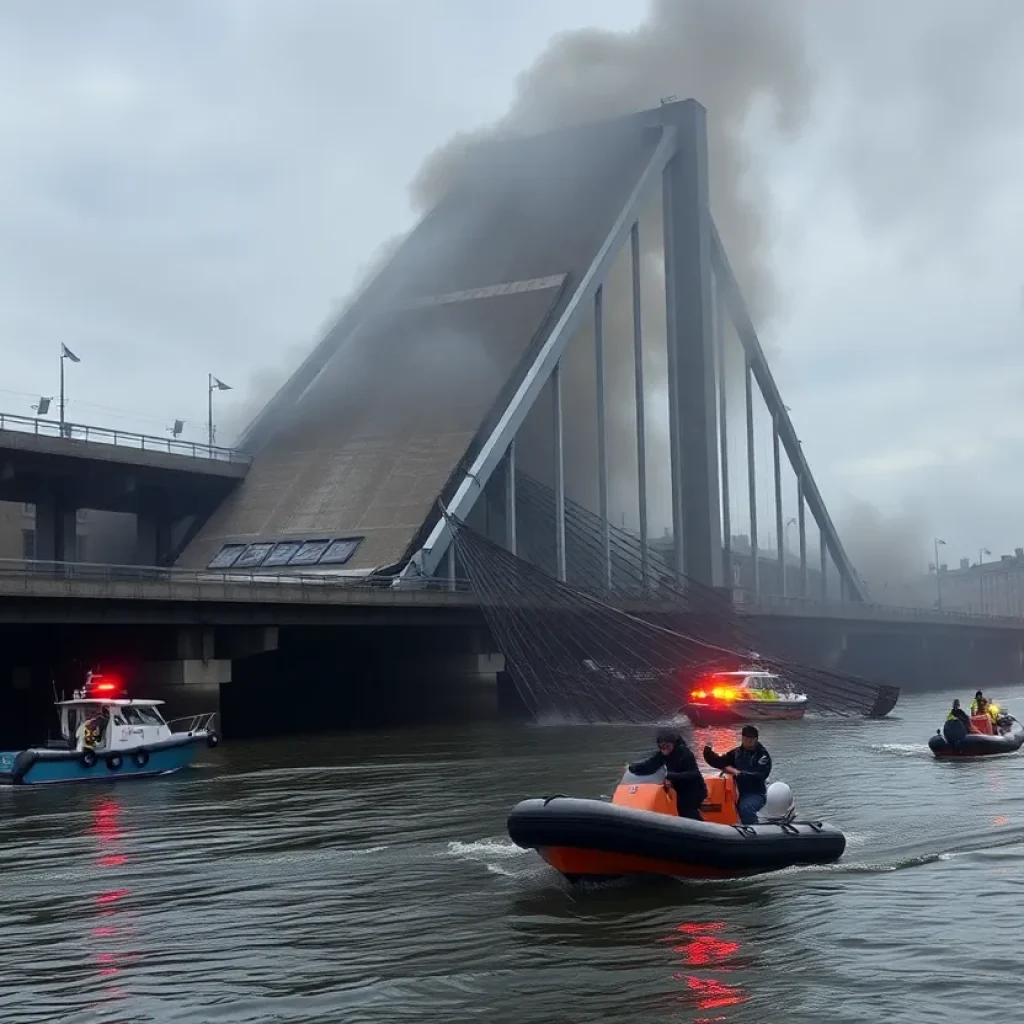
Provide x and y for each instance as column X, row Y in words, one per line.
column 779, row 805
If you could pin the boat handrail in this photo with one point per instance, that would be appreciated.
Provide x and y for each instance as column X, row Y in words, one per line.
column 196, row 723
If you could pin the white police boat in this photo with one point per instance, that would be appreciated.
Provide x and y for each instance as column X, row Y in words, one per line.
column 107, row 739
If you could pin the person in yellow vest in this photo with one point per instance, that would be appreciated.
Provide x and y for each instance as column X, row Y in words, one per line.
column 93, row 732
column 957, row 714
column 976, row 704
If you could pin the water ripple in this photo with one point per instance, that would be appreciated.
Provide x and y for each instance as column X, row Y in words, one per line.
column 369, row 878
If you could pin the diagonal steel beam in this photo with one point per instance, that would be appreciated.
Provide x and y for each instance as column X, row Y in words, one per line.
column 787, row 433
column 426, row 560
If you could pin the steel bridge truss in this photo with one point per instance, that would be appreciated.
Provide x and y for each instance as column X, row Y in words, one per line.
column 701, row 291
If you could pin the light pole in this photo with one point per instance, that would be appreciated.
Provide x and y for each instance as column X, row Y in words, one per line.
column 791, row 521
column 981, row 578
column 938, row 575
column 212, row 384
column 65, row 353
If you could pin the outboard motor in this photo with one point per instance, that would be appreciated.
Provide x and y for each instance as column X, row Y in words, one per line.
column 954, row 732
column 779, row 806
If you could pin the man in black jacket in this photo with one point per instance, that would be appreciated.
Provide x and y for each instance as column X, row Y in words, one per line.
column 680, row 770
column 750, row 764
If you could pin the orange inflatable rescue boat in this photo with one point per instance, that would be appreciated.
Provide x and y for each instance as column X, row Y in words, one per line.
column 640, row 832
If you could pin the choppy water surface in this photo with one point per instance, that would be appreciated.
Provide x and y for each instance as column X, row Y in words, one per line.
column 368, row 878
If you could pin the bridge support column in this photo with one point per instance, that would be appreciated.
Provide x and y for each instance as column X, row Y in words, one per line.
column 696, row 519
column 55, row 530
column 153, row 526
column 191, row 682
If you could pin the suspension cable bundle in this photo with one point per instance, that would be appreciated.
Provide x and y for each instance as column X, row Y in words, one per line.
column 628, row 651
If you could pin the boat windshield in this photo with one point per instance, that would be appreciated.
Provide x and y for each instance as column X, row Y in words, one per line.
column 134, row 715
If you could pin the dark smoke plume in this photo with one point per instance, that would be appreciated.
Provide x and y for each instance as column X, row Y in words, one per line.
column 734, row 57
column 889, row 551
column 731, row 55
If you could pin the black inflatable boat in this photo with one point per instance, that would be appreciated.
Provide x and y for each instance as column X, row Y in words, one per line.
column 951, row 742
column 640, row 832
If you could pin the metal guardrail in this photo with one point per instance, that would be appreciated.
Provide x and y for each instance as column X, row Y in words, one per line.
column 127, row 581
column 29, row 572
column 810, row 608
column 121, row 438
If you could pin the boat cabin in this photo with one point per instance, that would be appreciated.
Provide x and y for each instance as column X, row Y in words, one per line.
column 754, row 683
column 125, row 724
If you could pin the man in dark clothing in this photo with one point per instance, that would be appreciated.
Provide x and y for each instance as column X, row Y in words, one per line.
column 680, row 770
column 957, row 725
column 750, row 764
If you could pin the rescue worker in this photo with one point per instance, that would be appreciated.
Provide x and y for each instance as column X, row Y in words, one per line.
column 95, row 728
column 957, row 725
column 750, row 765
column 976, row 704
column 681, row 772
column 994, row 712
column 958, row 714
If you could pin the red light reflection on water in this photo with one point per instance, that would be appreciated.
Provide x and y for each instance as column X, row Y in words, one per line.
column 106, row 829
column 702, row 946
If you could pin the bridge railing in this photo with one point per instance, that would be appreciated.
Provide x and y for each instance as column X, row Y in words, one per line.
column 811, row 608
column 121, row 438
column 12, row 569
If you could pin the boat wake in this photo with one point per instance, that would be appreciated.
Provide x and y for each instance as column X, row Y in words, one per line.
column 902, row 749
column 497, row 856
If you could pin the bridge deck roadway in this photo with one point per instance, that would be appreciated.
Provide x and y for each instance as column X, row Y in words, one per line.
column 79, row 593
column 114, row 471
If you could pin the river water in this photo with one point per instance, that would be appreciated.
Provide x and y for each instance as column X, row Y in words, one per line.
column 367, row 877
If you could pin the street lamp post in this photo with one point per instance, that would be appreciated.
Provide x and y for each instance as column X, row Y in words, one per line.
column 212, row 384
column 65, row 353
column 938, row 574
column 791, row 521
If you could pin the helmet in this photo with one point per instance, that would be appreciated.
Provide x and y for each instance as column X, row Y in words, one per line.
column 779, row 805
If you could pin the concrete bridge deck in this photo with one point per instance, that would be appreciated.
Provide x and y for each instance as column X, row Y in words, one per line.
column 63, row 592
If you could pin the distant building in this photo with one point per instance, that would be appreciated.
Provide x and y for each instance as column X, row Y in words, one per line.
column 990, row 588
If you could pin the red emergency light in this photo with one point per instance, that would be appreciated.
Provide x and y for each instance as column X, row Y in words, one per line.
column 105, row 686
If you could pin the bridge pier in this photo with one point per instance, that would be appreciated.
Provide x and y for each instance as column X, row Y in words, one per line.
column 357, row 677
column 191, row 681
column 153, row 531
column 55, row 529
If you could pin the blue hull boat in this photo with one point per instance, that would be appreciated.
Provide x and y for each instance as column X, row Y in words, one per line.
column 109, row 739
column 43, row 766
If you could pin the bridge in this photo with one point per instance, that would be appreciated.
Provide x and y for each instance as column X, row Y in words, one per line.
column 63, row 467
column 564, row 331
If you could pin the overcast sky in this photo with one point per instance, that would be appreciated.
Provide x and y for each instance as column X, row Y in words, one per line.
column 192, row 186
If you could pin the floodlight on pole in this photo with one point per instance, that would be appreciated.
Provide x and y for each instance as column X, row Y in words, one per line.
column 65, row 353
column 42, row 407
column 212, row 384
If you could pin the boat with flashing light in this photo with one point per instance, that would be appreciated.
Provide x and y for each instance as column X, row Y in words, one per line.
column 640, row 833
column 106, row 736
column 744, row 695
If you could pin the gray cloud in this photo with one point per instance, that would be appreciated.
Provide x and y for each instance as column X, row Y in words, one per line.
column 191, row 186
